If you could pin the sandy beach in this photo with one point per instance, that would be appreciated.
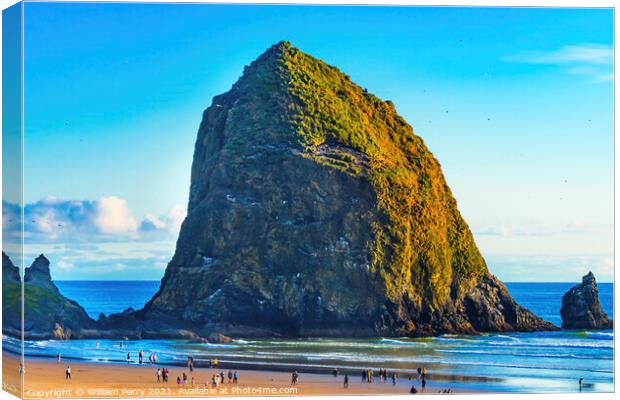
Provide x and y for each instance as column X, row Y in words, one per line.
column 46, row 379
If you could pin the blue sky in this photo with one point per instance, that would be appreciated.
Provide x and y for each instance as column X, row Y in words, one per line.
column 517, row 105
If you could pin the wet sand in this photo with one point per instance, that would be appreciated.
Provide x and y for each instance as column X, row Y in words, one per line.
column 45, row 378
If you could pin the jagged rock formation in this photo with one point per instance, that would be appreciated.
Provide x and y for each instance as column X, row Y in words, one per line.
column 11, row 297
column 315, row 210
column 47, row 313
column 581, row 308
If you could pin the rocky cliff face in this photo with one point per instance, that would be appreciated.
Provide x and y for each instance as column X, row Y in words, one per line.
column 581, row 308
column 314, row 209
column 47, row 313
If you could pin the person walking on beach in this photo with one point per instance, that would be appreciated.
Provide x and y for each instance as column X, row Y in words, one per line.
column 335, row 372
column 580, row 384
column 128, row 357
column 140, row 357
column 364, row 375
column 58, row 357
column 178, row 380
column 190, row 363
column 230, row 376
column 235, row 378
column 158, row 375
column 294, row 378
column 423, row 382
column 222, row 377
column 385, row 376
column 184, row 378
column 346, row 381
column 393, row 378
column 68, row 373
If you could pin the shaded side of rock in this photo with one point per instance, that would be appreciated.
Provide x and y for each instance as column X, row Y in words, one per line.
column 10, row 272
column 11, row 297
column 581, row 308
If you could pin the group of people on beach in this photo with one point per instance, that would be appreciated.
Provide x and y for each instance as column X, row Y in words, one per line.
column 162, row 375
column 152, row 357
column 368, row 376
column 220, row 379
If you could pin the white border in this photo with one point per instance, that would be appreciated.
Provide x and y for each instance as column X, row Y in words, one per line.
column 505, row 3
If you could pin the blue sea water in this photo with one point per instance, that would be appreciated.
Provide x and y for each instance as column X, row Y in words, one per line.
column 108, row 297
column 512, row 362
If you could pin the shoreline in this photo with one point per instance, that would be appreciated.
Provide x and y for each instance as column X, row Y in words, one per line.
column 353, row 371
column 45, row 378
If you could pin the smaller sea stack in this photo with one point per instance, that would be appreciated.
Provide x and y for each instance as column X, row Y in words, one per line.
column 581, row 308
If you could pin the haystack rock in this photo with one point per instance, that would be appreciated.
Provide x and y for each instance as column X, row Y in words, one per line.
column 581, row 308
column 314, row 210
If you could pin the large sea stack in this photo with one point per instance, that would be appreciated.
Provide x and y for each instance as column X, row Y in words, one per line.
column 314, row 209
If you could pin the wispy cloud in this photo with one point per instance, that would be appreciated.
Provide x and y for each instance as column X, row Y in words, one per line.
column 537, row 230
column 104, row 260
column 551, row 268
column 593, row 60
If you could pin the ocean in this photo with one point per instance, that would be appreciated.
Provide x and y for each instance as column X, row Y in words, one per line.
column 506, row 362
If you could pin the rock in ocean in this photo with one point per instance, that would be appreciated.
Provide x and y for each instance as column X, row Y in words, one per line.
column 314, row 210
column 581, row 308
column 47, row 313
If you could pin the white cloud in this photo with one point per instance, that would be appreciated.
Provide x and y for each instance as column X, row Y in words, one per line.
column 106, row 219
column 593, row 60
column 93, row 239
column 175, row 217
column 170, row 222
column 65, row 265
column 120, row 266
column 112, row 216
